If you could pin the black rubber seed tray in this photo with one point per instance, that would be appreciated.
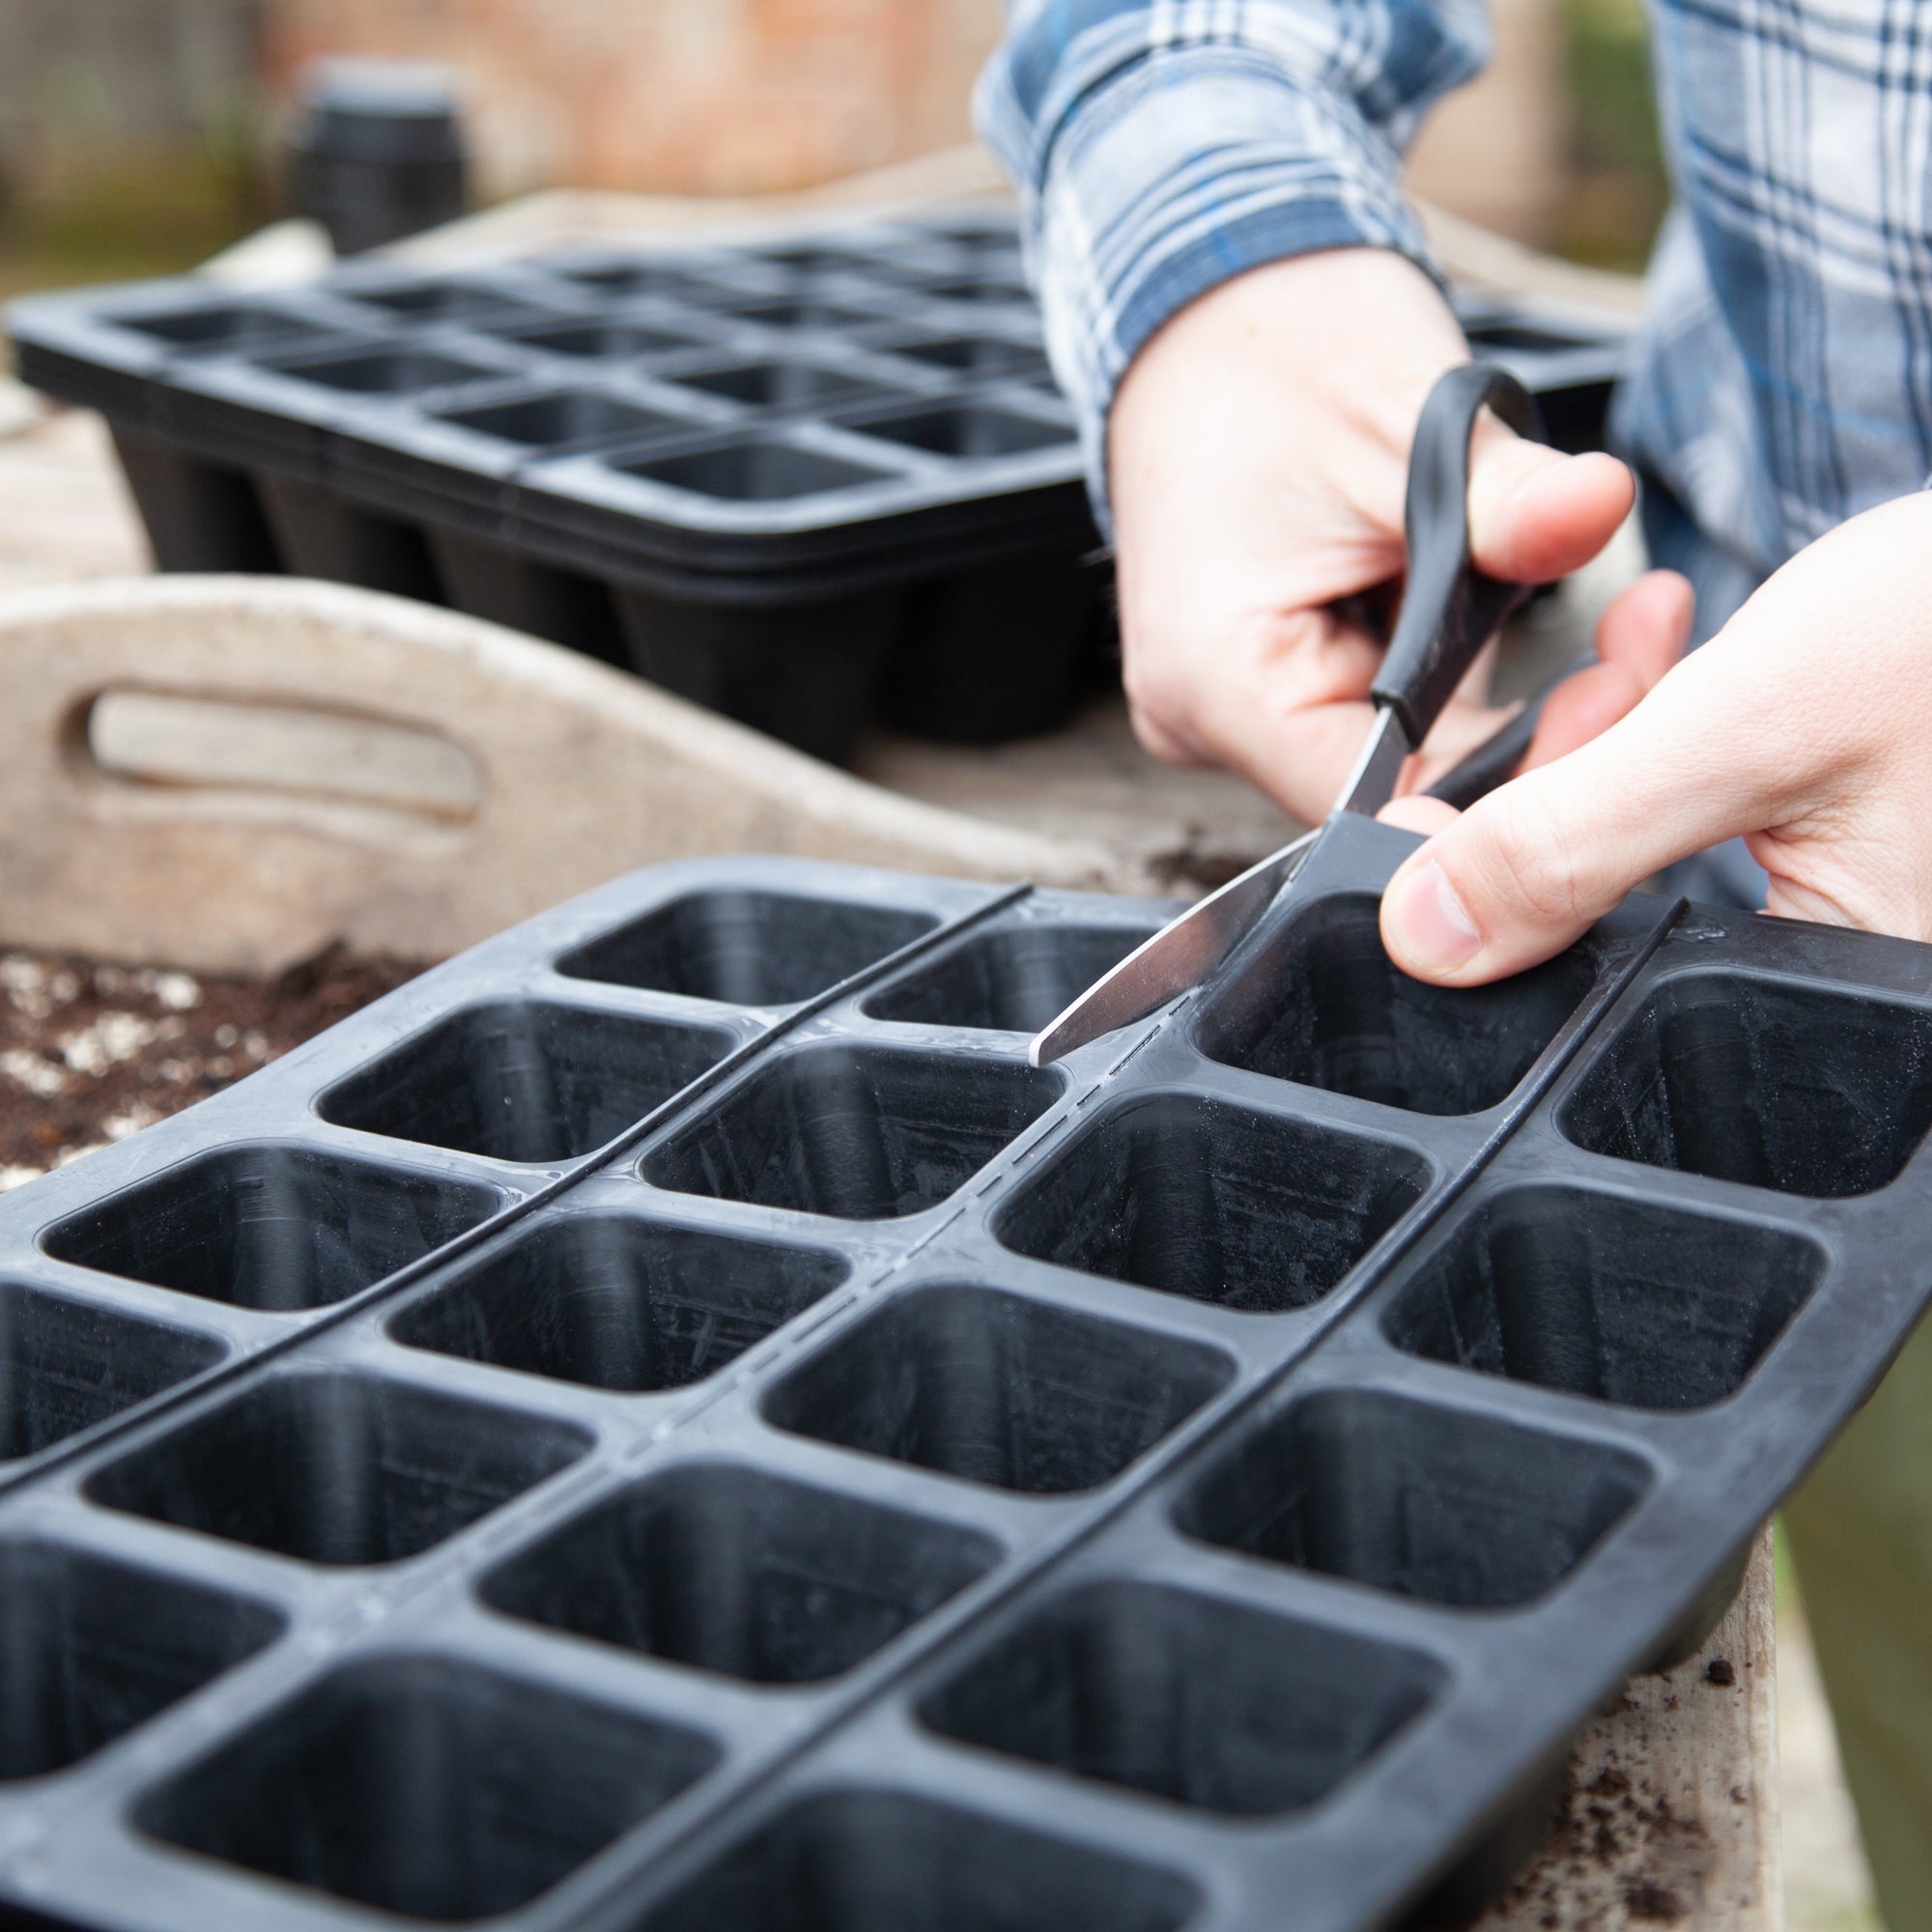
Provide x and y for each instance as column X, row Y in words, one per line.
column 887, row 1485
column 793, row 481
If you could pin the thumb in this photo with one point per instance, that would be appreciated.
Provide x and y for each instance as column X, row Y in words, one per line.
column 1535, row 514
column 1527, row 870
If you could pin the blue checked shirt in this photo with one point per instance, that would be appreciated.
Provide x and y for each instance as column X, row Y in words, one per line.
column 1785, row 376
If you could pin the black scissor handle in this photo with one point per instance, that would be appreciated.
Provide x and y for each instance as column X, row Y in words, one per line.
column 1449, row 607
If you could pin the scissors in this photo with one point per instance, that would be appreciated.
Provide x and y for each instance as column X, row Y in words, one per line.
column 1449, row 610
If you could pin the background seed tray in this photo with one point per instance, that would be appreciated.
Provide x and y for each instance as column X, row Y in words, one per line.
column 792, row 481
column 825, row 1473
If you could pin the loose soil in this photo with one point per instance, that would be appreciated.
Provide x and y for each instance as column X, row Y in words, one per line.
column 92, row 1053
column 1619, row 1855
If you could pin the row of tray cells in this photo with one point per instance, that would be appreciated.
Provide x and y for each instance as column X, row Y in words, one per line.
column 447, row 1790
column 1163, row 1192
column 1563, row 1287
column 562, row 420
column 365, row 363
column 1176, row 1192
column 424, row 345
column 1554, row 1284
column 1358, row 1463
column 729, row 1569
column 880, row 434
column 732, row 1570
column 769, row 381
column 1721, row 1073
column 835, row 289
column 559, row 1780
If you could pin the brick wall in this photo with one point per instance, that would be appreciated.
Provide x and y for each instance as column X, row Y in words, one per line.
column 744, row 95
column 677, row 96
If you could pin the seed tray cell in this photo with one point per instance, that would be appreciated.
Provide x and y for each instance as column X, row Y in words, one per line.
column 69, row 1365
column 1186, row 1698
column 861, row 1133
column 998, row 1389
column 1152, row 1488
column 615, row 1301
column 978, row 355
column 1190, row 1196
column 679, row 277
column 1763, row 1082
column 461, row 300
column 386, row 371
column 726, row 1570
column 858, row 1861
column 786, row 386
column 1388, row 1492
column 964, row 431
column 79, row 1672
column 836, row 318
column 270, row 1227
column 621, row 342
column 338, row 1470
column 526, row 1081
column 1325, row 1005
column 427, row 1790
column 751, row 469
column 1014, row 978
column 559, row 420
column 751, row 948
column 800, row 483
column 1605, row 1296
column 226, row 328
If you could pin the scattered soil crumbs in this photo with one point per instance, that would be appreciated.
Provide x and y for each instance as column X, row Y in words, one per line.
column 1619, row 1855
column 89, row 1054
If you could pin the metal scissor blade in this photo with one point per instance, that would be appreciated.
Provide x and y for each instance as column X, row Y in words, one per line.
column 1177, row 957
column 1184, row 952
column 1378, row 767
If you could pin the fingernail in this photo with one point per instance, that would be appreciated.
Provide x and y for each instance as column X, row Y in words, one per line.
column 1431, row 924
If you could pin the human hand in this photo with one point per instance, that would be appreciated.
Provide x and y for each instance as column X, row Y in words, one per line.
column 1258, row 462
column 1802, row 725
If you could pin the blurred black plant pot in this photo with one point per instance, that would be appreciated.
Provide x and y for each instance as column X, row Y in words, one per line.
column 378, row 151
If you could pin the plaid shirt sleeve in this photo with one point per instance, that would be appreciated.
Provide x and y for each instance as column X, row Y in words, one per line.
column 1785, row 379
column 1162, row 146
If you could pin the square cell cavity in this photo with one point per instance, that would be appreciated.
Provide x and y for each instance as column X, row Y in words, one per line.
column 1325, row 1005
column 526, row 1080
column 427, row 1788
column 277, row 1227
column 1451, row 1508
column 725, row 1569
column 1763, row 1082
column 747, row 949
column 878, row 1861
column 1186, row 1698
column 1193, row 1197
column 997, row 1390
column 612, row 1301
column 339, row 1469
column 1620, row 1301
column 864, row 1133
